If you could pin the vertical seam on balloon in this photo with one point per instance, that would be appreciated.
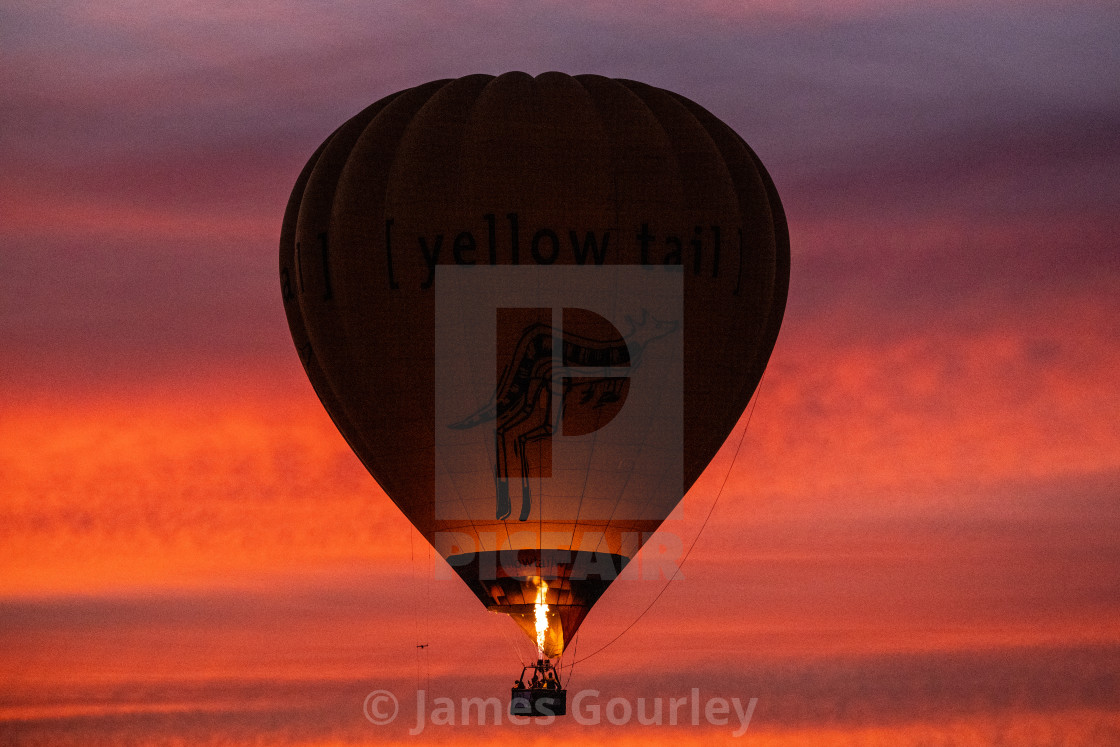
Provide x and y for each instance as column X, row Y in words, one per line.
column 614, row 186
column 634, row 87
column 491, row 460
column 459, row 148
column 386, row 103
column 782, row 261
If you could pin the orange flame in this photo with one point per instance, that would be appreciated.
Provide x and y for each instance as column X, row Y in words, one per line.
column 542, row 617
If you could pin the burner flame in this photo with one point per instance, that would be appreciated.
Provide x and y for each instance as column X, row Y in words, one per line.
column 542, row 617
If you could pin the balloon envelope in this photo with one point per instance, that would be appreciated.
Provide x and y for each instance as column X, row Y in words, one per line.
column 535, row 308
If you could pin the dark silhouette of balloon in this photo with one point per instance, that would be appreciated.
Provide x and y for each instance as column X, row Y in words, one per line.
column 490, row 198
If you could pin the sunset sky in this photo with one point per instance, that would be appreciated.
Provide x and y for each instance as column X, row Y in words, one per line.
column 918, row 544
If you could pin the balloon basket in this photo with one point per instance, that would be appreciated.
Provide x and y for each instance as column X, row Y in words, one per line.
column 538, row 692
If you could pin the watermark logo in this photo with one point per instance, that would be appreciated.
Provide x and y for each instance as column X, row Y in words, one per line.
column 558, row 394
column 660, row 560
column 381, row 707
column 587, row 708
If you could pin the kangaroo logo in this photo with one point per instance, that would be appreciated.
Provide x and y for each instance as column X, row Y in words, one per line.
column 591, row 391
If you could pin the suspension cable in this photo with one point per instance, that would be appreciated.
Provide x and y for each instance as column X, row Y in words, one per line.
column 734, row 459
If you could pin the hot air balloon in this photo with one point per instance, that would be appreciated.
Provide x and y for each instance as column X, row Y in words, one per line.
column 535, row 307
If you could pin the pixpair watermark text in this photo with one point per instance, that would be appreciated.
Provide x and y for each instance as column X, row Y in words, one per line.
column 586, row 708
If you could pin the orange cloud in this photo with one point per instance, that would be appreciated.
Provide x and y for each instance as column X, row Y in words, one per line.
column 190, row 487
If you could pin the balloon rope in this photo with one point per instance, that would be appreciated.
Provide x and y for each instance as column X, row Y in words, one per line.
column 428, row 619
column 423, row 660
column 575, row 652
column 734, row 458
column 513, row 645
column 415, row 603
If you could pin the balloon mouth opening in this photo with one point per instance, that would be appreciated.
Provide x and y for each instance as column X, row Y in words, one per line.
column 547, row 593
